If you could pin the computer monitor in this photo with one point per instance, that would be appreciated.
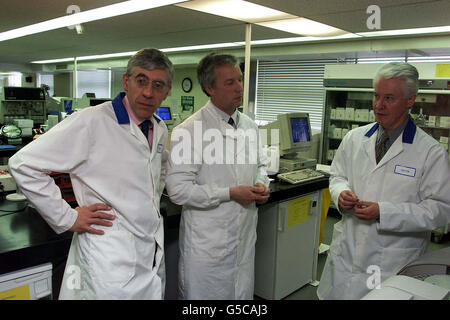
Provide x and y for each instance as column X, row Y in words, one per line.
column 97, row 101
column 294, row 133
column 67, row 105
column 165, row 114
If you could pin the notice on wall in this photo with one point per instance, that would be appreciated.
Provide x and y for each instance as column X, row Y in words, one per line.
column 187, row 103
column 298, row 210
column 442, row 70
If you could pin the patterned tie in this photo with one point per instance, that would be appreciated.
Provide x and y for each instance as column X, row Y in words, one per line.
column 231, row 122
column 145, row 125
column 380, row 149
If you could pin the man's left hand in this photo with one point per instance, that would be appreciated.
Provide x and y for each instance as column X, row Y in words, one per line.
column 367, row 210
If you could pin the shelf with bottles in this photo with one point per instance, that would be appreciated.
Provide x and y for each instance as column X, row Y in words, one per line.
column 431, row 112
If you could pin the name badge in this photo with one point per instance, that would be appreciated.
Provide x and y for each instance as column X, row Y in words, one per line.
column 160, row 148
column 405, row 171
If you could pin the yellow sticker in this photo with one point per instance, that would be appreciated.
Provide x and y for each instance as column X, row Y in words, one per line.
column 442, row 70
column 298, row 210
column 20, row 293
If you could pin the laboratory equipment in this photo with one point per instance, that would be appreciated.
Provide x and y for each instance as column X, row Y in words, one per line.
column 89, row 100
column 11, row 134
column 165, row 114
column 299, row 176
column 426, row 278
column 22, row 103
column 292, row 132
column 33, row 283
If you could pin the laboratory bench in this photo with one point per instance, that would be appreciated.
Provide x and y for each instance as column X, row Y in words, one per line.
column 26, row 240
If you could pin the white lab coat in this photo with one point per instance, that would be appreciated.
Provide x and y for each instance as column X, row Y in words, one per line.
column 411, row 186
column 217, row 235
column 109, row 162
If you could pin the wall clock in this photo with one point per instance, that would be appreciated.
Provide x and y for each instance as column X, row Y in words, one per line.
column 186, row 84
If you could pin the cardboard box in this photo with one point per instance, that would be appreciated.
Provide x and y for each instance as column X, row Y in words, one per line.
column 337, row 133
column 340, row 113
column 333, row 113
column 431, row 122
column 362, row 115
column 349, row 114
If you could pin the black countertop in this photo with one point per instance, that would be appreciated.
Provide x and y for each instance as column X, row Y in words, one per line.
column 26, row 239
column 280, row 190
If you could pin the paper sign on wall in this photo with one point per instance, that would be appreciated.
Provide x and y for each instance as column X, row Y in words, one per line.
column 442, row 70
column 298, row 210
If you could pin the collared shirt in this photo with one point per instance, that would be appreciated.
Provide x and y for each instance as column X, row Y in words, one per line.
column 393, row 134
column 138, row 121
column 226, row 117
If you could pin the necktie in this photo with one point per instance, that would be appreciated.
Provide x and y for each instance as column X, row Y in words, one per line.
column 145, row 125
column 231, row 122
column 380, row 149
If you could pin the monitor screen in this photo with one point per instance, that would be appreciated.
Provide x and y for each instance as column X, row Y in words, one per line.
column 291, row 131
column 300, row 130
column 164, row 113
column 94, row 102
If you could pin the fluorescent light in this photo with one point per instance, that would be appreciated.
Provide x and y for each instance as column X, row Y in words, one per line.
column 304, row 27
column 109, row 11
column 267, row 17
column 106, row 56
column 54, row 60
column 236, row 9
column 402, row 32
column 206, row 46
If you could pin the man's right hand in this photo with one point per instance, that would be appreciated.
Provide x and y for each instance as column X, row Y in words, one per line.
column 347, row 200
column 246, row 195
column 92, row 215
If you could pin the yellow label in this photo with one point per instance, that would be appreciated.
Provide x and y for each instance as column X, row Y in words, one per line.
column 20, row 293
column 442, row 70
column 298, row 211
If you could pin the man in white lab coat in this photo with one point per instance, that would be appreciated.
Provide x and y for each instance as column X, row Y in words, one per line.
column 390, row 181
column 117, row 174
column 218, row 180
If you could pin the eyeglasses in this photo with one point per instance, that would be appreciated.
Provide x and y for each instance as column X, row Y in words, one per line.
column 143, row 83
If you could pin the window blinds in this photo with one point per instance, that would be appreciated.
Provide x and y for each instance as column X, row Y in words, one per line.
column 290, row 86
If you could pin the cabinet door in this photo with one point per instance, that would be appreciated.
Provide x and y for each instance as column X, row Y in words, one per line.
column 297, row 241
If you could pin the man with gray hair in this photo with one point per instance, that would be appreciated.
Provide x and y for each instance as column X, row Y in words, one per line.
column 390, row 182
column 219, row 217
column 116, row 156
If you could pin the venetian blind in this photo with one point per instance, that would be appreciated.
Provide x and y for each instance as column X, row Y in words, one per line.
column 290, row 86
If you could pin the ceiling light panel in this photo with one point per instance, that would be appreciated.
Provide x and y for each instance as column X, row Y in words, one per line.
column 236, row 9
column 304, row 27
column 109, row 11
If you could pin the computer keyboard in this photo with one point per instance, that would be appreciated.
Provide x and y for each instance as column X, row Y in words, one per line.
column 299, row 176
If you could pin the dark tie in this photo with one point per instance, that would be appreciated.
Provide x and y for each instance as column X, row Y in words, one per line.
column 231, row 122
column 380, row 149
column 145, row 125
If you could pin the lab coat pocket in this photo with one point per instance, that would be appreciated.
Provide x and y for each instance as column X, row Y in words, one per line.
column 113, row 257
column 209, row 236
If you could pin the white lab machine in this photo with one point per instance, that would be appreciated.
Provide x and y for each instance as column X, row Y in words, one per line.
column 33, row 283
column 426, row 278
